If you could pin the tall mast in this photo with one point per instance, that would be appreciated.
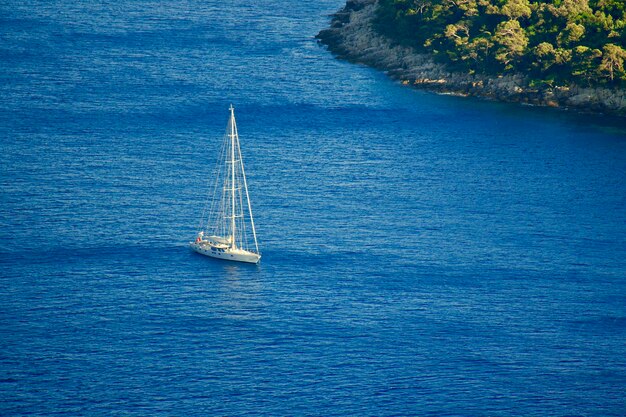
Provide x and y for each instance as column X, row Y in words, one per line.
column 232, row 171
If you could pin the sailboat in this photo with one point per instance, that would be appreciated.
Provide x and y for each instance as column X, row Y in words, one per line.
column 228, row 231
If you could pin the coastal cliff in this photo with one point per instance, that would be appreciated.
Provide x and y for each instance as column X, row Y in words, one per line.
column 352, row 36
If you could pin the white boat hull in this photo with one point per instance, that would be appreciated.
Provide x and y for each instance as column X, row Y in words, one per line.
column 228, row 254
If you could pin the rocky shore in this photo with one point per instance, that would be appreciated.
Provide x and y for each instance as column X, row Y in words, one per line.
column 352, row 37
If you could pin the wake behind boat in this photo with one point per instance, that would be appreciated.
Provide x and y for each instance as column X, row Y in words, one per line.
column 228, row 231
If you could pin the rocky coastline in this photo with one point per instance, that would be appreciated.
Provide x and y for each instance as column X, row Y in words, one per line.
column 352, row 37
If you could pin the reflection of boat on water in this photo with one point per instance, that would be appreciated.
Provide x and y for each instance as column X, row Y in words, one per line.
column 228, row 232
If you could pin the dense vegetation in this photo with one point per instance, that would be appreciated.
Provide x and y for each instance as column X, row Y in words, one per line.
column 556, row 42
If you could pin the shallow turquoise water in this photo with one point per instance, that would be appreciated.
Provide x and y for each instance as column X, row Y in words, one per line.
column 422, row 254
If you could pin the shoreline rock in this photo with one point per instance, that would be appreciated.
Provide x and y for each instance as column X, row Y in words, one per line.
column 352, row 37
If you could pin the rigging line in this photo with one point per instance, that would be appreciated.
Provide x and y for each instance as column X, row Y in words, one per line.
column 218, row 226
column 217, row 176
column 201, row 224
column 242, row 222
column 245, row 186
column 242, row 235
column 217, row 171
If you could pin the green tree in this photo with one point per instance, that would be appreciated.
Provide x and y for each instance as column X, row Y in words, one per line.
column 612, row 63
column 545, row 54
column 479, row 49
column 572, row 9
column 458, row 33
column 573, row 33
column 516, row 9
column 585, row 61
column 419, row 7
column 562, row 56
column 511, row 40
column 468, row 7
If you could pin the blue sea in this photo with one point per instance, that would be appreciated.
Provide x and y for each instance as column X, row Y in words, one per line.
column 422, row 255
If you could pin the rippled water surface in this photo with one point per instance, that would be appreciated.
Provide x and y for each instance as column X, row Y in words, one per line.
column 422, row 254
